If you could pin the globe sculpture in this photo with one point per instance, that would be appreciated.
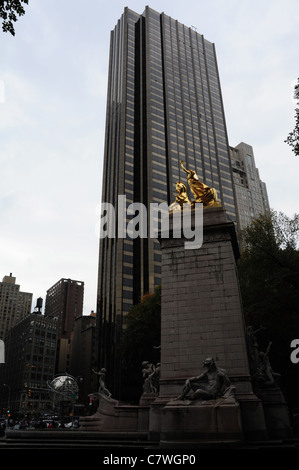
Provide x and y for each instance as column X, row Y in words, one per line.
column 63, row 388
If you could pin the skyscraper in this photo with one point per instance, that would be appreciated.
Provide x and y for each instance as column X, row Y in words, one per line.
column 14, row 304
column 251, row 192
column 30, row 348
column 64, row 301
column 164, row 105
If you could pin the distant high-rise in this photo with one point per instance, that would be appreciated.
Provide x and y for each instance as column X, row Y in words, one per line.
column 64, row 300
column 14, row 304
column 83, row 354
column 164, row 105
column 30, row 348
column 251, row 192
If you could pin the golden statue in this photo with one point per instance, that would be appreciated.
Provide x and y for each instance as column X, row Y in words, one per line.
column 181, row 197
column 202, row 192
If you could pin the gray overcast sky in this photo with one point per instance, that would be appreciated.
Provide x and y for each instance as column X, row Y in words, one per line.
column 53, row 80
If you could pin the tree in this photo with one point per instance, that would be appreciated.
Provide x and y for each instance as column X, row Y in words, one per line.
column 9, row 9
column 293, row 137
column 140, row 340
column 269, row 281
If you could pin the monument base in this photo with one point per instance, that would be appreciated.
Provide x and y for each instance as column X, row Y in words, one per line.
column 113, row 416
column 276, row 413
column 252, row 414
column 201, row 317
column 192, row 422
column 247, row 416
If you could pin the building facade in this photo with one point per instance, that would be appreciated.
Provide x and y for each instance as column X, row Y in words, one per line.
column 251, row 192
column 83, row 355
column 64, row 300
column 30, row 349
column 14, row 304
column 164, row 105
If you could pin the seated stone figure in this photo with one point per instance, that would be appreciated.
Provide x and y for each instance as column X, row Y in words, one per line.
column 211, row 384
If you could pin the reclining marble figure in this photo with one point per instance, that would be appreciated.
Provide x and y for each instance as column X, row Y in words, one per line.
column 212, row 383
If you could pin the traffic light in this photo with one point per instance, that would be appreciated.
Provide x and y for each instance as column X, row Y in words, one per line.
column 29, row 392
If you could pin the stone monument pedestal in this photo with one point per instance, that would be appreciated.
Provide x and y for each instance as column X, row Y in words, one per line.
column 113, row 416
column 276, row 413
column 187, row 422
column 202, row 317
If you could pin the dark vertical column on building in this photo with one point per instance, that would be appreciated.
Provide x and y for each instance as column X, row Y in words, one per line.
column 144, row 193
column 165, row 109
column 139, row 116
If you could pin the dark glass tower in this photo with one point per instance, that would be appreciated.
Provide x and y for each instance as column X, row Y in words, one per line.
column 164, row 105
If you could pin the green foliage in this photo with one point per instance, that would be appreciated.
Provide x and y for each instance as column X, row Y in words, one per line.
column 141, row 337
column 269, row 281
column 268, row 266
column 9, row 9
column 293, row 137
